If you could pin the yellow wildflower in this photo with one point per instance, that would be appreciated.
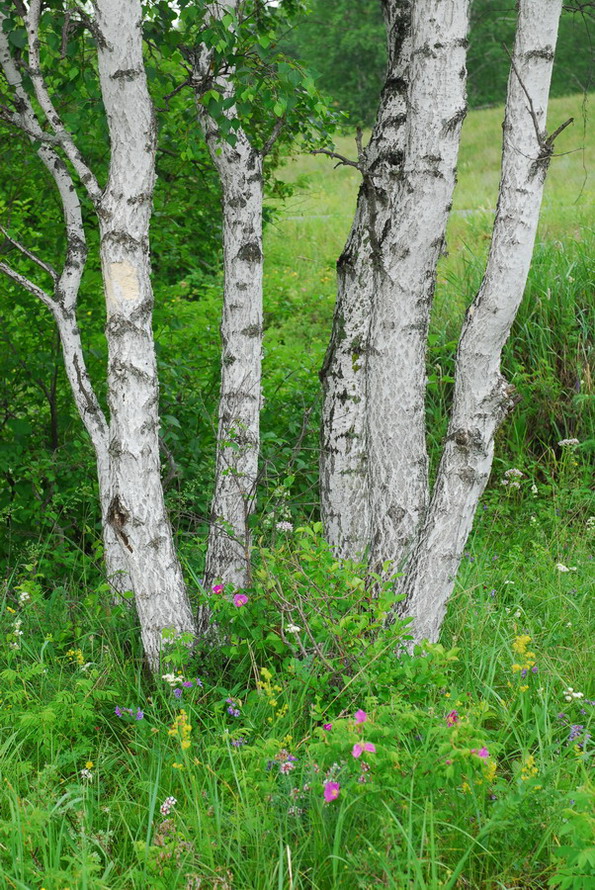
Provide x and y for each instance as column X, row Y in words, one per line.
column 529, row 769
column 89, row 764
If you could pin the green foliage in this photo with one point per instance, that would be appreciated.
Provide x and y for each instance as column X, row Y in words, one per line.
column 444, row 767
column 343, row 42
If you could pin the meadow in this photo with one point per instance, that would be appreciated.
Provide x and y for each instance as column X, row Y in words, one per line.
column 298, row 753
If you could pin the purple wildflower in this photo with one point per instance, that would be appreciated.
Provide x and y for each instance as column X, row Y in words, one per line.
column 327, row 726
column 118, row 711
column 237, row 743
column 139, row 714
column 187, row 684
column 178, row 693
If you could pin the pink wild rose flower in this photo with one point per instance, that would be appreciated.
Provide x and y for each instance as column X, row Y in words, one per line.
column 218, row 588
column 331, row 791
column 240, row 599
column 360, row 716
column 359, row 748
column 481, row 752
column 451, row 718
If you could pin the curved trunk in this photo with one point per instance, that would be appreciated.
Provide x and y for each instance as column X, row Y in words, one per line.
column 482, row 397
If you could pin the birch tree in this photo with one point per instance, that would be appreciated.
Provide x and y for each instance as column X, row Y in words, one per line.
column 375, row 492
column 242, row 115
column 126, row 445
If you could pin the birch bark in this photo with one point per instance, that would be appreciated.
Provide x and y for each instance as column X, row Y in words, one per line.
column 62, row 303
column 344, row 434
column 411, row 243
column 136, row 510
column 238, row 437
column 482, row 397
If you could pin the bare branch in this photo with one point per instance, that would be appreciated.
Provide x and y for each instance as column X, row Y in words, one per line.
column 551, row 139
column 279, row 124
column 28, row 285
column 541, row 135
column 343, row 161
column 43, row 97
column 30, row 255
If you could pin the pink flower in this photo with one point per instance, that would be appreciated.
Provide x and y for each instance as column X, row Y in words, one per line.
column 327, row 726
column 240, row 599
column 218, row 588
column 331, row 791
column 452, row 718
column 360, row 747
column 481, row 752
column 360, row 716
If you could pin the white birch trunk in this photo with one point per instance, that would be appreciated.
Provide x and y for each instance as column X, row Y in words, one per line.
column 136, row 511
column 66, row 288
column 238, row 436
column 482, row 397
column 344, row 442
column 411, row 244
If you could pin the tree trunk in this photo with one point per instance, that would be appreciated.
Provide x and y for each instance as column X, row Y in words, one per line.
column 66, row 286
column 238, row 437
column 482, row 397
column 136, row 510
column 344, row 439
column 411, row 243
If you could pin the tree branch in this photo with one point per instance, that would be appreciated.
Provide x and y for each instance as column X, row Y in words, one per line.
column 343, row 161
column 279, row 124
column 43, row 97
column 29, row 285
column 30, row 255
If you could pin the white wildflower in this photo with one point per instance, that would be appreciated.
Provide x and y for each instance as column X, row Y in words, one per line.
column 515, row 485
column 509, row 582
column 86, row 774
column 24, row 597
column 562, row 568
column 568, row 443
column 293, row 629
column 172, row 679
column 167, row 805
column 533, row 489
column 514, row 472
column 284, row 527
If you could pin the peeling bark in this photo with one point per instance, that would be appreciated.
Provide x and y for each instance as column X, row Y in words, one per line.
column 482, row 397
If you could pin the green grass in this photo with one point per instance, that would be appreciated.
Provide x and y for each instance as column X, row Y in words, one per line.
column 433, row 814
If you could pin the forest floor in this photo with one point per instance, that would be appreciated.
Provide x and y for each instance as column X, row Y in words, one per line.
column 253, row 767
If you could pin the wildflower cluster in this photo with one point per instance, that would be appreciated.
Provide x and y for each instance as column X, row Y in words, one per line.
column 511, row 478
column 271, row 690
column 167, row 805
column 86, row 774
column 181, row 729
column 529, row 768
column 233, row 707
column 285, row 761
column 136, row 714
column 186, row 684
column 527, row 659
column 75, row 656
column 570, row 694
